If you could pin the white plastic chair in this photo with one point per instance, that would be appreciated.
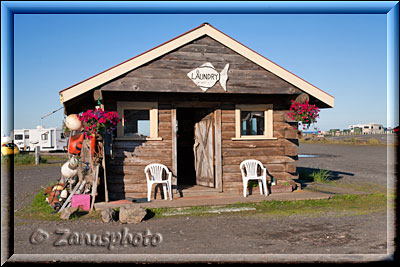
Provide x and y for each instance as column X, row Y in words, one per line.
column 251, row 166
column 154, row 175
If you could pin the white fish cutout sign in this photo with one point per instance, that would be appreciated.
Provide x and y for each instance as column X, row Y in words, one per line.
column 206, row 76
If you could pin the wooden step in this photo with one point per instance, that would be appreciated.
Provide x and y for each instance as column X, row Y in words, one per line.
column 196, row 190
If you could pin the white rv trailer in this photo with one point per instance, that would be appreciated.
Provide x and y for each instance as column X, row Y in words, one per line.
column 48, row 139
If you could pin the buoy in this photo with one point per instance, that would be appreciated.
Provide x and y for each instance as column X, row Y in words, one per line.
column 75, row 144
column 57, row 188
column 67, row 172
column 64, row 194
column 73, row 122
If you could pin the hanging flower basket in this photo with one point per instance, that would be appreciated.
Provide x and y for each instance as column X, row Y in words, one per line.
column 304, row 113
column 98, row 122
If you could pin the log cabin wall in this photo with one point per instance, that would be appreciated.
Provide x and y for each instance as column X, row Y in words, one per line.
column 277, row 155
column 125, row 171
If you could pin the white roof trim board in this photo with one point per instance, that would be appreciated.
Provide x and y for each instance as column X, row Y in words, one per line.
column 204, row 29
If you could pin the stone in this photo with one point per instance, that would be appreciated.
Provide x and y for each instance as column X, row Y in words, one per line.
column 131, row 214
column 67, row 212
column 108, row 215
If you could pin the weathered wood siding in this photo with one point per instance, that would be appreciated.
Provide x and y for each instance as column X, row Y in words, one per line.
column 169, row 72
column 125, row 172
column 277, row 155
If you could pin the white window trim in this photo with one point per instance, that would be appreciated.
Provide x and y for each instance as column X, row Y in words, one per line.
column 268, row 121
column 151, row 106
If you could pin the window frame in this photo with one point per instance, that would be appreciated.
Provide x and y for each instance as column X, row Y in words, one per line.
column 44, row 134
column 19, row 135
column 268, row 121
column 153, row 114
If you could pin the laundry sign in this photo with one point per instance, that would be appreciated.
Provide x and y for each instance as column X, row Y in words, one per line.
column 206, row 76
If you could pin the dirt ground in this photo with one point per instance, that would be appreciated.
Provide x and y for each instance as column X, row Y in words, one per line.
column 328, row 233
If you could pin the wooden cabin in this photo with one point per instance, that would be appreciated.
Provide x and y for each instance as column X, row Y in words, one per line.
column 200, row 104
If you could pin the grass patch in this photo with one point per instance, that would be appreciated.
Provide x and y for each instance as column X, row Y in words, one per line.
column 39, row 209
column 347, row 204
column 321, row 176
column 22, row 159
column 373, row 141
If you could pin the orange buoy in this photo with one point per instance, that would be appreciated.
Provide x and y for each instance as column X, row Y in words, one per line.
column 75, row 144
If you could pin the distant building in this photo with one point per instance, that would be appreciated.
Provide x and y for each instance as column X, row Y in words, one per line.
column 310, row 133
column 346, row 132
column 334, row 131
column 370, row 128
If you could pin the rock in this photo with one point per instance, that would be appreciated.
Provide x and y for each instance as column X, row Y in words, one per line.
column 108, row 215
column 67, row 212
column 131, row 214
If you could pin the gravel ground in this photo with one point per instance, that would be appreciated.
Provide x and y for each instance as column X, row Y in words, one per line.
column 331, row 233
column 224, row 234
column 351, row 163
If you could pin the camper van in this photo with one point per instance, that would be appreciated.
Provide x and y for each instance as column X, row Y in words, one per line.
column 48, row 139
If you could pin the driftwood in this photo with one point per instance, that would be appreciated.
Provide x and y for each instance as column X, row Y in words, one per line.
column 302, row 98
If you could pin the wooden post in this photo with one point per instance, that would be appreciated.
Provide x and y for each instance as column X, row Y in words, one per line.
column 37, row 155
column 174, row 149
column 105, row 171
column 217, row 149
column 94, row 186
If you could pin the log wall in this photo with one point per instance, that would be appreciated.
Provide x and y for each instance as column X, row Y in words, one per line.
column 277, row 155
column 126, row 169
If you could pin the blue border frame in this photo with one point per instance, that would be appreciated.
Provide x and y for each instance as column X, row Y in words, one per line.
column 8, row 9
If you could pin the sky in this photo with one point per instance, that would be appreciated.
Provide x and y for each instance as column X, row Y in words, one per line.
column 344, row 55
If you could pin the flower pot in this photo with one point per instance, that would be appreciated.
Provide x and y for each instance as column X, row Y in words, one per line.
column 92, row 144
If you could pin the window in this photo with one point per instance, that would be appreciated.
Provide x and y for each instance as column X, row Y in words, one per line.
column 45, row 136
column 137, row 123
column 26, row 136
column 62, row 136
column 253, row 122
column 141, row 120
column 18, row 137
column 366, row 127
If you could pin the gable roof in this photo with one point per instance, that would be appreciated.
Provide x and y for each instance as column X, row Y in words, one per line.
column 204, row 29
